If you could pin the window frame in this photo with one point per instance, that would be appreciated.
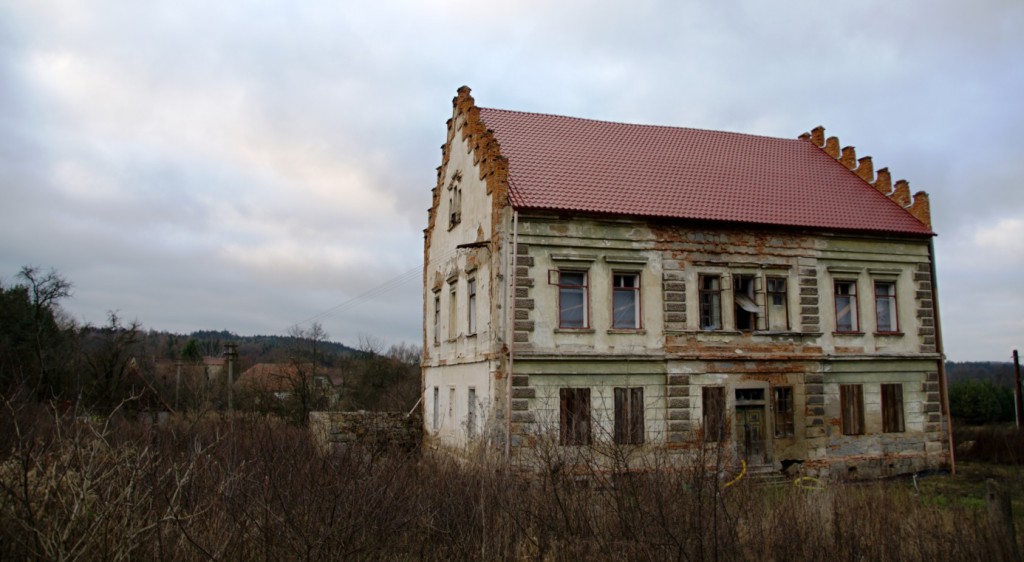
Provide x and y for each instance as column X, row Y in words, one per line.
column 851, row 409
column 453, row 311
column 629, row 415
column 637, row 298
column 706, row 298
column 471, row 306
column 437, row 408
column 893, row 408
column 471, row 412
column 437, row 318
column 854, row 305
column 575, row 417
column 713, row 413
column 769, row 301
column 893, row 306
column 783, row 411
column 738, row 311
column 583, row 288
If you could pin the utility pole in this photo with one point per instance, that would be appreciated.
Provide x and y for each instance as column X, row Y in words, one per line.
column 232, row 355
column 177, row 386
column 1018, row 400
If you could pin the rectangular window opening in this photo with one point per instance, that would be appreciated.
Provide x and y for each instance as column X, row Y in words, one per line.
column 626, row 301
column 453, row 313
column 778, row 304
column 572, row 299
column 851, row 406
column 471, row 307
column 437, row 320
column 846, row 306
column 744, row 302
column 437, row 408
column 713, row 405
column 629, row 416
column 710, row 294
column 574, row 413
column 885, row 307
column 892, row 408
column 471, row 413
column 782, row 403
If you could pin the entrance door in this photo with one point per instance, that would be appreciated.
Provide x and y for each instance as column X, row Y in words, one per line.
column 750, row 434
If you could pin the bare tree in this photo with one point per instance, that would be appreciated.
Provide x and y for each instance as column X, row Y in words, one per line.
column 46, row 289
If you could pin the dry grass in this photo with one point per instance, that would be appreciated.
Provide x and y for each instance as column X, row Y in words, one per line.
column 254, row 489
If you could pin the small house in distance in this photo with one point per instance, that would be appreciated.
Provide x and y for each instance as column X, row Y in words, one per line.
column 595, row 282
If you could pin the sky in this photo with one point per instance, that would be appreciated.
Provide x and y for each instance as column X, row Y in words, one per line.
column 252, row 166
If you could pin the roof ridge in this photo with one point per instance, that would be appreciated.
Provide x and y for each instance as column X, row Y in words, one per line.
column 644, row 125
column 917, row 205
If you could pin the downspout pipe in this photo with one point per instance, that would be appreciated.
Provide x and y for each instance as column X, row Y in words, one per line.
column 943, row 384
column 510, row 320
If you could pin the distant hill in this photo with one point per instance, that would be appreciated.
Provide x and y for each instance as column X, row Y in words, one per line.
column 997, row 373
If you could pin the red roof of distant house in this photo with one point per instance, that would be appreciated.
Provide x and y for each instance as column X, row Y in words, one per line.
column 570, row 164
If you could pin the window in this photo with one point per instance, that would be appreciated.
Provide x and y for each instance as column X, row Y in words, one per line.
column 455, row 201
column 575, row 416
column 626, row 301
column 629, row 416
column 846, row 306
column 437, row 320
column 710, row 289
column 471, row 306
column 777, row 303
column 782, row 397
column 892, row 408
column 572, row 299
column 471, row 413
column 713, row 404
column 851, row 405
column 437, row 408
column 453, row 316
column 885, row 307
column 743, row 299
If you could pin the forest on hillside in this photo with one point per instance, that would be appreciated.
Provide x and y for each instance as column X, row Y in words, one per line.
column 48, row 356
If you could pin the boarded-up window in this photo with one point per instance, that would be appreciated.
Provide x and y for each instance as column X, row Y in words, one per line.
column 575, row 416
column 629, row 416
column 892, row 408
column 782, row 397
column 713, row 404
column 851, row 404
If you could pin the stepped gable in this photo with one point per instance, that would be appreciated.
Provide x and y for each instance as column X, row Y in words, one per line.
column 571, row 164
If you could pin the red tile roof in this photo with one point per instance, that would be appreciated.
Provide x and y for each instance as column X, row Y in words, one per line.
column 570, row 164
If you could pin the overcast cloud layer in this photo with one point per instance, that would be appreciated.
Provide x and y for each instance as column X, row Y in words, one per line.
column 251, row 165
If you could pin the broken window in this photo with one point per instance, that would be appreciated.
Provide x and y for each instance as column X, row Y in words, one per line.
column 885, row 307
column 437, row 320
column 453, row 317
column 471, row 307
column 629, row 416
column 777, row 303
column 710, row 289
column 713, row 405
column 572, row 299
column 892, row 408
column 471, row 413
column 743, row 299
column 626, row 301
column 851, row 407
column 574, row 428
column 782, row 403
column 846, row 306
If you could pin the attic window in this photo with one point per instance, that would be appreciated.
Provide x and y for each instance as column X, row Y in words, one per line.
column 455, row 201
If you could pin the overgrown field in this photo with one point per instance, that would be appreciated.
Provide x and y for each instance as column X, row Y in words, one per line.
column 255, row 489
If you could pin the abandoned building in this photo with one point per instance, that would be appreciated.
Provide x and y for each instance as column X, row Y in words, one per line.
column 596, row 282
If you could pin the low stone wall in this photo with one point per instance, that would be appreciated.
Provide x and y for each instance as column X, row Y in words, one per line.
column 375, row 430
